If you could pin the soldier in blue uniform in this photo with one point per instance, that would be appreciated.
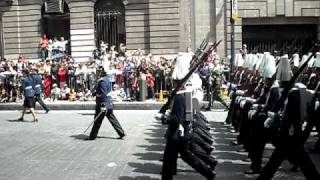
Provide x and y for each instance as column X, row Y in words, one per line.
column 38, row 86
column 104, row 107
column 179, row 141
column 28, row 92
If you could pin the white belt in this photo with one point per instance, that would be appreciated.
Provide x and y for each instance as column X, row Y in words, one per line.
column 38, row 85
column 99, row 95
column 28, row 87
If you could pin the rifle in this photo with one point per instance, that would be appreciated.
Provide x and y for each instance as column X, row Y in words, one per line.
column 286, row 90
column 199, row 57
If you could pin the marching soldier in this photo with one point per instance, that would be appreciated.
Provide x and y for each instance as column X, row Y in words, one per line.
column 178, row 137
column 27, row 84
column 104, row 107
column 38, row 86
column 258, row 135
column 290, row 143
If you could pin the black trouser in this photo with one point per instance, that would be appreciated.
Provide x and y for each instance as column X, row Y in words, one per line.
column 307, row 130
column 173, row 148
column 258, row 137
column 112, row 119
column 37, row 98
column 230, row 115
column 202, row 154
column 204, row 145
column 290, row 149
column 203, row 136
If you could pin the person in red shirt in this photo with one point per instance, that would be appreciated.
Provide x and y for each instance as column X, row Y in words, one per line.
column 62, row 75
column 47, row 85
column 43, row 47
column 150, row 84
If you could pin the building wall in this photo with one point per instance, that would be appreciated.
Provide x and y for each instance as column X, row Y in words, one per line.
column 21, row 28
column 204, row 21
column 272, row 12
column 82, row 29
column 152, row 25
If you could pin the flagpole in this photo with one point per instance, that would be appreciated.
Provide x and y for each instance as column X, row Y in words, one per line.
column 232, row 45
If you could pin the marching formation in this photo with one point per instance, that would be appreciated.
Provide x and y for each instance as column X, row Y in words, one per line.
column 275, row 99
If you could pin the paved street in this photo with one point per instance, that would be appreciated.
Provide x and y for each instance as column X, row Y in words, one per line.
column 54, row 148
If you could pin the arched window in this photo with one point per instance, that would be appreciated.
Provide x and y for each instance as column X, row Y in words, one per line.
column 56, row 20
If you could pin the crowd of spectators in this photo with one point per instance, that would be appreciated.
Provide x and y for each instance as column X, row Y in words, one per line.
column 63, row 79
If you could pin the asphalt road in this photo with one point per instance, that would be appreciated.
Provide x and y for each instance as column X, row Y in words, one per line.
column 54, row 148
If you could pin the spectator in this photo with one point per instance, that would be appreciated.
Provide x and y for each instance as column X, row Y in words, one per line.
column 134, row 86
column 62, row 45
column 113, row 53
column 55, row 93
column 55, row 46
column 103, row 47
column 87, row 95
column 50, row 48
column 47, row 85
column 150, row 84
column 73, row 95
column 72, row 74
column 43, row 47
column 65, row 92
column 54, row 71
column 4, row 97
column 62, row 75
column 91, row 76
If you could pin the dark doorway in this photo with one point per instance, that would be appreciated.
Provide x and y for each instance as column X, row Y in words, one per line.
column 285, row 38
column 110, row 22
column 57, row 24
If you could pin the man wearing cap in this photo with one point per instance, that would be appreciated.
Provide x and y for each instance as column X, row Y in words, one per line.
column 28, row 92
column 104, row 107
column 38, row 87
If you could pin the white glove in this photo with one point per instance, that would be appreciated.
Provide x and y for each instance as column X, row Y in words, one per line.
column 242, row 103
column 181, row 130
column 251, row 113
column 316, row 105
column 239, row 92
column 270, row 120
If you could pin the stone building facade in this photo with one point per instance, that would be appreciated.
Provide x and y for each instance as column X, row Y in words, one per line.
column 298, row 17
column 159, row 27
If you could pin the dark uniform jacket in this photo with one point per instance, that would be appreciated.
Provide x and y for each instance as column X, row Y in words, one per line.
column 27, row 86
column 102, row 93
column 37, row 84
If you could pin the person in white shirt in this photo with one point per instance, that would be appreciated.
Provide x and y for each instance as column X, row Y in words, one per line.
column 62, row 45
column 50, row 48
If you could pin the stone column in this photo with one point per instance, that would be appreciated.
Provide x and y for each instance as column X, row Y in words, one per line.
column 185, row 16
column 82, row 30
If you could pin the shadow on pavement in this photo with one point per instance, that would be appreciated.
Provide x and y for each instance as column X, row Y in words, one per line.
column 149, row 159
column 230, row 164
column 19, row 121
column 137, row 178
column 85, row 137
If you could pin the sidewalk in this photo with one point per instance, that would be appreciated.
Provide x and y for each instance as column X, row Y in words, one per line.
column 90, row 105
